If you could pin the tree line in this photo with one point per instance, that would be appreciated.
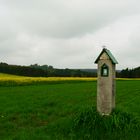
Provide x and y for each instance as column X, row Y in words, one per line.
column 129, row 73
column 54, row 72
column 36, row 70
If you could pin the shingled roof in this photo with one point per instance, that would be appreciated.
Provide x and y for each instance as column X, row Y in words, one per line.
column 112, row 58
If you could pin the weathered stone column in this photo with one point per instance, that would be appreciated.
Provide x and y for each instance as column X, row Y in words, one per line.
column 106, row 82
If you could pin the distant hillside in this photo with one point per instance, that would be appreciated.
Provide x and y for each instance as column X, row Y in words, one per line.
column 89, row 70
column 65, row 72
column 42, row 71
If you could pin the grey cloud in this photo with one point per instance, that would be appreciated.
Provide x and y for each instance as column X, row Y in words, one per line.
column 72, row 22
column 61, row 19
column 67, row 33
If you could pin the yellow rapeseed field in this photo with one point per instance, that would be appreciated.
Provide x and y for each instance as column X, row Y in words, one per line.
column 7, row 79
column 22, row 78
column 128, row 78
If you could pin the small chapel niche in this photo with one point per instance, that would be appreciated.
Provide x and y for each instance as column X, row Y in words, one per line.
column 104, row 70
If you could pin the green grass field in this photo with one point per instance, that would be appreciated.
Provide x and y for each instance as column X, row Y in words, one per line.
column 49, row 111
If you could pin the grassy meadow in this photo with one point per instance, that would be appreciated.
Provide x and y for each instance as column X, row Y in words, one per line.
column 65, row 108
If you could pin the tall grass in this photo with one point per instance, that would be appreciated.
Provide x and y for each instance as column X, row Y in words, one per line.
column 88, row 124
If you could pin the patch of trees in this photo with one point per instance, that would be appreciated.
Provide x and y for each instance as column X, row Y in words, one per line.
column 21, row 70
column 130, row 73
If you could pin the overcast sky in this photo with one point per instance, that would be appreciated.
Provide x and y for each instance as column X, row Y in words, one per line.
column 69, row 33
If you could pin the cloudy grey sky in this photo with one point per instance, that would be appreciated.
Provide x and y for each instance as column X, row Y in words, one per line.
column 69, row 33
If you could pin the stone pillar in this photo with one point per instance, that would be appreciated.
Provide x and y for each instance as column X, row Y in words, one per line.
column 106, row 82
